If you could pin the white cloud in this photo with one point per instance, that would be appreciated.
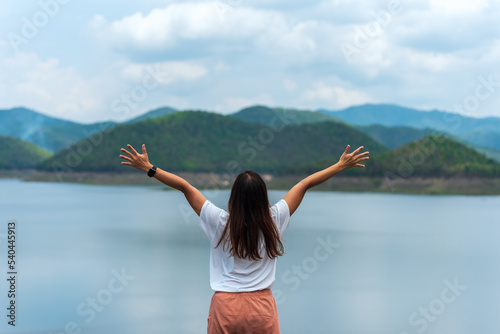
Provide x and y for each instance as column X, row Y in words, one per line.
column 458, row 6
column 281, row 53
column 60, row 91
column 298, row 39
column 188, row 22
column 336, row 96
column 46, row 86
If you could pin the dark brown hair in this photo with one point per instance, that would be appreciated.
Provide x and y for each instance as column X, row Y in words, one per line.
column 250, row 220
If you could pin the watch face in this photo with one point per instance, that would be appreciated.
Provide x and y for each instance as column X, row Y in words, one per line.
column 152, row 171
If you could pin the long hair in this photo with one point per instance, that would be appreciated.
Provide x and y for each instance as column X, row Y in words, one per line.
column 250, row 220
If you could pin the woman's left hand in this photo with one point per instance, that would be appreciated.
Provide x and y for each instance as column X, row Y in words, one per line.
column 136, row 160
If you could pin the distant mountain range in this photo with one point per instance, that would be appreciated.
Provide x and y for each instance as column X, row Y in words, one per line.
column 483, row 132
column 54, row 134
column 392, row 115
column 274, row 140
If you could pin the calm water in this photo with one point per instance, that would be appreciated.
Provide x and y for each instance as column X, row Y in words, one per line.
column 354, row 263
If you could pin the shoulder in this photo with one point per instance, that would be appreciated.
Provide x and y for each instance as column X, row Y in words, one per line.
column 280, row 214
column 211, row 212
column 211, row 219
column 281, row 207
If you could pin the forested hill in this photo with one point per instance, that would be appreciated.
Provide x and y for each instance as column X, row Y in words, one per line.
column 433, row 156
column 209, row 142
column 19, row 154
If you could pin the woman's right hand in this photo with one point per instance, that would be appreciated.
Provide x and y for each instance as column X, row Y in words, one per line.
column 348, row 160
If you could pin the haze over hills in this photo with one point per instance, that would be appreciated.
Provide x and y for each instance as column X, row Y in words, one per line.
column 54, row 134
column 50, row 133
column 210, row 142
column 19, row 154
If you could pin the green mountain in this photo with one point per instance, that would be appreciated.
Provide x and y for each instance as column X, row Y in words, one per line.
column 47, row 132
column 19, row 154
column 209, row 142
column 433, row 156
column 266, row 116
column 153, row 114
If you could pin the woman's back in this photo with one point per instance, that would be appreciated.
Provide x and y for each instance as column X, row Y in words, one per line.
column 231, row 273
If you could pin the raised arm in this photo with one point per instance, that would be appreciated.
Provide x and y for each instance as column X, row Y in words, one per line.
column 347, row 160
column 141, row 162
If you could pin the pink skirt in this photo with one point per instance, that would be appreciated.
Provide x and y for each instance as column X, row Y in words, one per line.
column 243, row 313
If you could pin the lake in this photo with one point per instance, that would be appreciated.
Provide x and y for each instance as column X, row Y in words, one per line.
column 132, row 259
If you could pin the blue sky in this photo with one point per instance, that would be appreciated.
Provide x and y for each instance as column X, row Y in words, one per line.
column 91, row 61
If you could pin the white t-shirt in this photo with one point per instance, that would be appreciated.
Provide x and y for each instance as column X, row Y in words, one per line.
column 233, row 274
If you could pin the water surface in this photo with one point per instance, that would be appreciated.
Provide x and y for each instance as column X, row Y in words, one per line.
column 388, row 268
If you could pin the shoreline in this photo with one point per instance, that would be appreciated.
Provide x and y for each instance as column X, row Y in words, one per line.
column 410, row 185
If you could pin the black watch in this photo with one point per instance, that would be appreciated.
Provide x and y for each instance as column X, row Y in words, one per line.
column 152, row 171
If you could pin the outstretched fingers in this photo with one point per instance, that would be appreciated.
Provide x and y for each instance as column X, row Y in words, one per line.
column 357, row 150
column 126, row 152
column 125, row 158
column 132, row 149
column 362, row 157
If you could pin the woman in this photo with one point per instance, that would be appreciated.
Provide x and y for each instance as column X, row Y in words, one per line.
column 245, row 242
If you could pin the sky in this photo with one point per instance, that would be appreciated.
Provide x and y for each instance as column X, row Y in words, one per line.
column 90, row 61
